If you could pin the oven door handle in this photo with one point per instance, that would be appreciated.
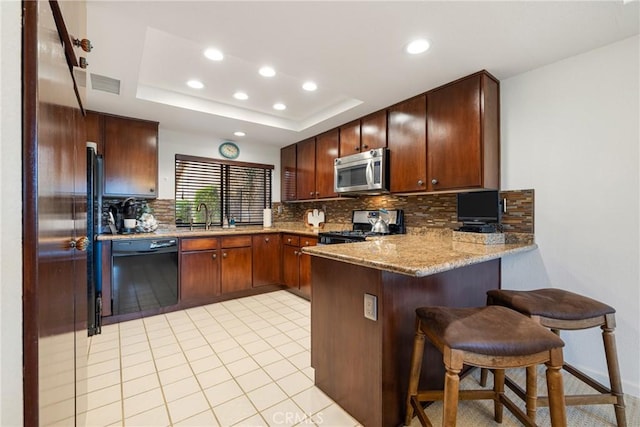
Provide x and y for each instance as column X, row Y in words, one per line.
column 369, row 173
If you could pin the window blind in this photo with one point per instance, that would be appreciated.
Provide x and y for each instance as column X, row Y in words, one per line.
column 236, row 190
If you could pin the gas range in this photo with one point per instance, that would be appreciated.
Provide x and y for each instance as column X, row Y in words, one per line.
column 361, row 227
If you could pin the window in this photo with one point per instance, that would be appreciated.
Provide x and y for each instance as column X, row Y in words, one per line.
column 233, row 189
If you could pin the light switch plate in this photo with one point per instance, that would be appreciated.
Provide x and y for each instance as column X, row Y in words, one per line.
column 371, row 307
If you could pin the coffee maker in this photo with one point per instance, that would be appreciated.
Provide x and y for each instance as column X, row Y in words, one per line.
column 129, row 215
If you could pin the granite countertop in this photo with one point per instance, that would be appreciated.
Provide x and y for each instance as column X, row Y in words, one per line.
column 295, row 228
column 417, row 255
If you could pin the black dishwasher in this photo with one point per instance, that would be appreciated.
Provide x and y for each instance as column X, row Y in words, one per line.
column 144, row 275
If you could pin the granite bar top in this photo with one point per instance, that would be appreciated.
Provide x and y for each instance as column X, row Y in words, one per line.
column 418, row 255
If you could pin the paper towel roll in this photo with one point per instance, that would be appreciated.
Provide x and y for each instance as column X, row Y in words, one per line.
column 266, row 217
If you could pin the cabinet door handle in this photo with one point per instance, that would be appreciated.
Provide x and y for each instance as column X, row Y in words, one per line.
column 311, row 193
column 295, row 252
column 317, row 193
column 266, row 239
column 434, row 181
column 288, row 240
column 151, row 190
column 214, row 256
column 420, row 183
column 365, row 146
column 224, row 255
column 357, row 148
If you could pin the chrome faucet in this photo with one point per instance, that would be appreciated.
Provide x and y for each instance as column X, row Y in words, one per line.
column 207, row 223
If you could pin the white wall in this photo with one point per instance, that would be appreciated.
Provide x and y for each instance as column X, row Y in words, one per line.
column 172, row 143
column 570, row 130
column 10, row 217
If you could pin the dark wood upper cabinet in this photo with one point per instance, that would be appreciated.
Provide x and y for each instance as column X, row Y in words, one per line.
column 288, row 173
column 326, row 152
column 373, row 130
column 350, row 138
column 306, row 170
column 130, row 157
column 407, row 145
column 463, row 134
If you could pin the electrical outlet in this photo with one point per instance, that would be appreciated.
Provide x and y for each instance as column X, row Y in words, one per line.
column 371, row 307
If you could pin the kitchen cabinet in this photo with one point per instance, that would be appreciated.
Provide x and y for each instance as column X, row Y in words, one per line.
column 266, row 254
column 350, row 138
column 130, row 157
column 296, row 265
column 462, row 134
column 199, row 269
column 326, row 152
column 236, row 271
column 368, row 133
column 407, row 145
column 306, row 169
column 288, row 173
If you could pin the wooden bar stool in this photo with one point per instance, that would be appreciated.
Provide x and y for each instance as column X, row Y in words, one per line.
column 558, row 310
column 489, row 337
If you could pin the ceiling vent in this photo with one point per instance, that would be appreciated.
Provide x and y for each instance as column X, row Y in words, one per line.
column 105, row 84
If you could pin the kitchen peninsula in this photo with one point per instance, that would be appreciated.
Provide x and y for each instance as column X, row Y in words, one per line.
column 363, row 364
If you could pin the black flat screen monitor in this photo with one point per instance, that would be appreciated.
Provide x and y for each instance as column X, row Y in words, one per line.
column 479, row 207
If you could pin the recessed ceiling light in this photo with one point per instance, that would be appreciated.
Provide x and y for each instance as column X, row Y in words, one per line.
column 267, row 71
column 239, row 133
column 241, row 96
column 418, row 46
column 310, row 86
column 279, row 106
column 195, row 84
column 214, row 54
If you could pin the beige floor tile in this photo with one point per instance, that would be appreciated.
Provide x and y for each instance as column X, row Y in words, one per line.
column 185, row 407
column 278, row 340
column 140, row 385
column 235, row 410
column 215, row 337
column 134, row 348
column 285, row 413
column 162, row 341
column 266, row 396
column 136, row 358
column 171, row 361
column 155, row 417
column 289, row 349
column 254, row 379
column 197, row 353
column 104, row 380
column 202, row 419
column 166, row 350
column 301, row 360
column 133, row 339
column 267, row 357
column 247, row 337
column 205, row 364
column 280, row 369
column 104, row 344
column 103, row 367
column 242, row 366
column 222, row 392
column 181, row 388
column 294, row 383
column 312, row 400
column 187, row 335
column 256, row 347
column 255, row 421
column 137, row 371
column 195, row 342
column 213, row 377
column 103, row 356
column 174, row 374
column 105, row 415
column 143, row 402
column 231, row 355
column 334, row 416
column 104, row 396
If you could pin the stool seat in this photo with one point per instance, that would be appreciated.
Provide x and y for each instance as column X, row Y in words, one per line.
column 488, row 330
column 551, row 303
column 489, row 337
column 561, row 310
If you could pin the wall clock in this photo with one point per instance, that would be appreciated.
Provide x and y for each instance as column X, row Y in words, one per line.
column 229, row 150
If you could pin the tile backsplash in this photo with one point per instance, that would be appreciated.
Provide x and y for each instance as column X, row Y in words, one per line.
column 421, row 211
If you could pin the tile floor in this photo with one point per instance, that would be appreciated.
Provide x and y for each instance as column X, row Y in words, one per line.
column 244, row 362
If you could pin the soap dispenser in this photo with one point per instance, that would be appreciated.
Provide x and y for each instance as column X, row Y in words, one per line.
column 225, row 222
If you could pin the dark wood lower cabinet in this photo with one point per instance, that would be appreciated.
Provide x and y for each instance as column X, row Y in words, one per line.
column 296, row 265
column 267, row 259
column 199, row 275
column 236, row 269
column 363, row 365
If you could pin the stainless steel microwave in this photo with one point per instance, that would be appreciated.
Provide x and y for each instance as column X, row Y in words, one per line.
column 366, row 172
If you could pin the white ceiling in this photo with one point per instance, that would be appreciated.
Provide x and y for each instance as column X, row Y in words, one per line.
column 353, row 50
